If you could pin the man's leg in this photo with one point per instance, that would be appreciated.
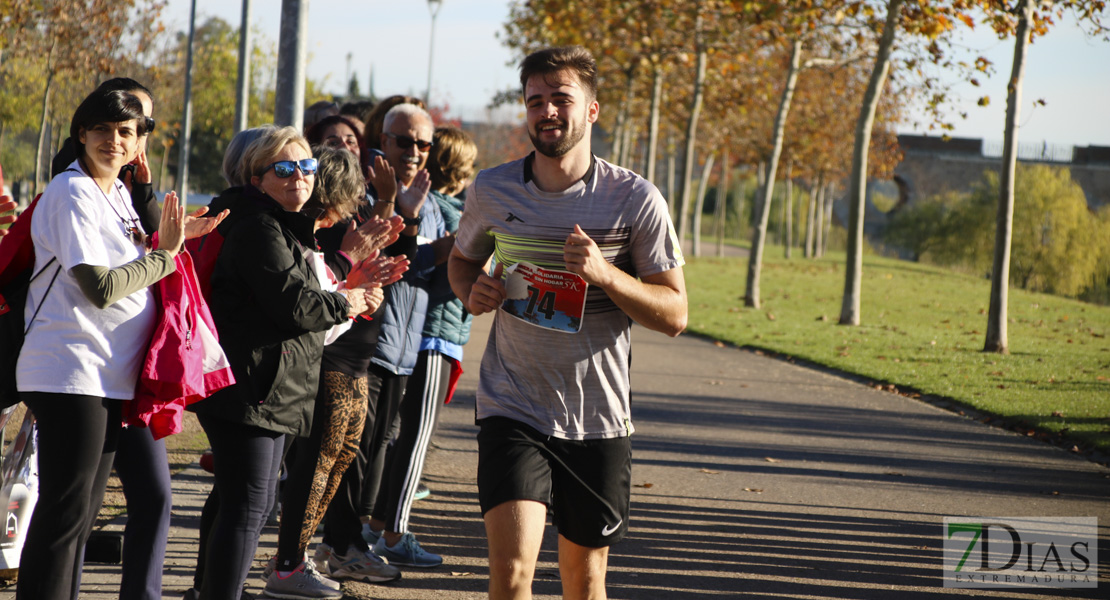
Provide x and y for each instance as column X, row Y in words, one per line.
column 582, row 570
column 514, row 530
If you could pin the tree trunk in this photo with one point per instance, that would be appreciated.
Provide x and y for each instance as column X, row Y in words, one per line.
column 631, row 133
column 997, row 335
column 46, row 114
column 788, row 208
column 622, row 124
column 653, row 120
column 853, row 273
column 755, row 256
column 722, row 201
column 741, row 196
column 760, row 183
column 819, row 223
column 162, row 168
column 692, row 131
column 699, row 202
column 830, row 199
column 671, row 163
column 810, row 216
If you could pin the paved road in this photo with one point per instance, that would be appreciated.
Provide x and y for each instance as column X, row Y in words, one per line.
column 754, row 478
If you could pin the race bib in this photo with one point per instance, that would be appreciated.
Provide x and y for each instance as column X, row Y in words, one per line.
column 545, row 298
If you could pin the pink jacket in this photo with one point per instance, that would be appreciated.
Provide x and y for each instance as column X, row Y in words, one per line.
column 185, row 362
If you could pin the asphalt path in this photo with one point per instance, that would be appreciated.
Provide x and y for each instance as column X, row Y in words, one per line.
column 753, row 478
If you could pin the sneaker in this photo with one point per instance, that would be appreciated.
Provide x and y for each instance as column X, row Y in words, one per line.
column 407, row 553
column 304, row 582
column 361, row 566
column 320, row 558
column 272, row 564
column 370, row 535
column 422, row 492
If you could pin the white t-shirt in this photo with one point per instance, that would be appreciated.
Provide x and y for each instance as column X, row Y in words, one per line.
column 74, row 347
column 328, row 283
column 570, row 386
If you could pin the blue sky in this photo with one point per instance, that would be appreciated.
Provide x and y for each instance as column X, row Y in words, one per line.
column 1070, row 72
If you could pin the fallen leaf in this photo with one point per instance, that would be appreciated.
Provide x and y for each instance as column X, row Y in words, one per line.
column 708, row 472
column 644, row 485
column 460, row 574
column 822, row 318
column 754, row 490
column 1057, row 413
column 771, row 460
column 719, row 344
column 770, row 316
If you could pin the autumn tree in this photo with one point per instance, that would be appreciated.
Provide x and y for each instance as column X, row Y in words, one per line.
column 1025, row 21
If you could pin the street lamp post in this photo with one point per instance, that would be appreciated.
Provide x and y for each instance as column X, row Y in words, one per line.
column 433, row 7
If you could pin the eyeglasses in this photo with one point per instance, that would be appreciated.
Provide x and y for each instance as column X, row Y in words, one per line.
column 285, row 168
column 405, row 142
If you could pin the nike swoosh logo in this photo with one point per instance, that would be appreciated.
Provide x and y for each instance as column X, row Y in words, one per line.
column 608, row 531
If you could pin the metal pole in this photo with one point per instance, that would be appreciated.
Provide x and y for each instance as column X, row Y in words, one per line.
column 187, row 118
column 243, row 90
column 292, row 49
column 433, row 7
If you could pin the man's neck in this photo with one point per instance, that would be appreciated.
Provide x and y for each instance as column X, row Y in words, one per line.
column 558, row 174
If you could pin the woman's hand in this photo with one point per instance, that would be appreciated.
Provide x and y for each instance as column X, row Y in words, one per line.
column 357, row 300
column 377, row 271
column 360, row 242
column 374, row 298
column 140, row 174
column 195, row 226
column 171, row 229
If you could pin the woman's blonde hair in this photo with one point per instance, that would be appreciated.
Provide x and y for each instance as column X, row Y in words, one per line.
column 233, row 170
column 339, row 188
column 261, row 152
column 451, row 160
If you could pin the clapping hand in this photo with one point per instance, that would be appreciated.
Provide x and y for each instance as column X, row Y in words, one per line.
column 196, row 226
column 360, row 241
column 377, row 271
column 411, row 199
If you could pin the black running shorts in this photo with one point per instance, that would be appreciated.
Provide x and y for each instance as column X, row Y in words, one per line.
column 587, row 483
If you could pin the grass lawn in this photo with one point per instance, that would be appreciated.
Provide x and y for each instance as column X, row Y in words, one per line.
column 922, row 333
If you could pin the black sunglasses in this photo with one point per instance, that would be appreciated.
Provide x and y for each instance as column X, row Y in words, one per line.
column 285, row 168
column 405, row 142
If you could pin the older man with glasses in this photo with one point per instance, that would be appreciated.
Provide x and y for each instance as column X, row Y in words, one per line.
column 401, row 186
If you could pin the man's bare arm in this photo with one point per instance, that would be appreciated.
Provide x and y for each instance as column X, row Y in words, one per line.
column 480, row 293
column 657, row 302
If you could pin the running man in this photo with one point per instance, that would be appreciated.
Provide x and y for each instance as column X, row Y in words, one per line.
column 553, row 392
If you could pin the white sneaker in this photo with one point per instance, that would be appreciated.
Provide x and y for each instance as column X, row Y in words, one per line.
column 303, row 583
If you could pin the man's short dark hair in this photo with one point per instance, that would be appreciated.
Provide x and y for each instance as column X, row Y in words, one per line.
column 575, row 59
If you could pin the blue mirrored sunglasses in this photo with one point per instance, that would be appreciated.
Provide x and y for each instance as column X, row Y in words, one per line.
column 285, row 168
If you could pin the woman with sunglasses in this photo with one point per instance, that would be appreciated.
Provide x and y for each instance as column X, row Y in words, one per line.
column 272, row 315
column 90, row 316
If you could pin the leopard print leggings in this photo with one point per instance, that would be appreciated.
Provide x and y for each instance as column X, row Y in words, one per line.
column 321, row 462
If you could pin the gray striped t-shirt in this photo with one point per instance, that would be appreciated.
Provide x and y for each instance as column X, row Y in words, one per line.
column 570, row 386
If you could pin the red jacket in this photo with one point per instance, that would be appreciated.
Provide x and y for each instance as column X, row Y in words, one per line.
column 185, row 362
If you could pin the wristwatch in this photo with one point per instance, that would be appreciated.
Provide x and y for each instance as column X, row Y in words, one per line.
column 410, row 221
